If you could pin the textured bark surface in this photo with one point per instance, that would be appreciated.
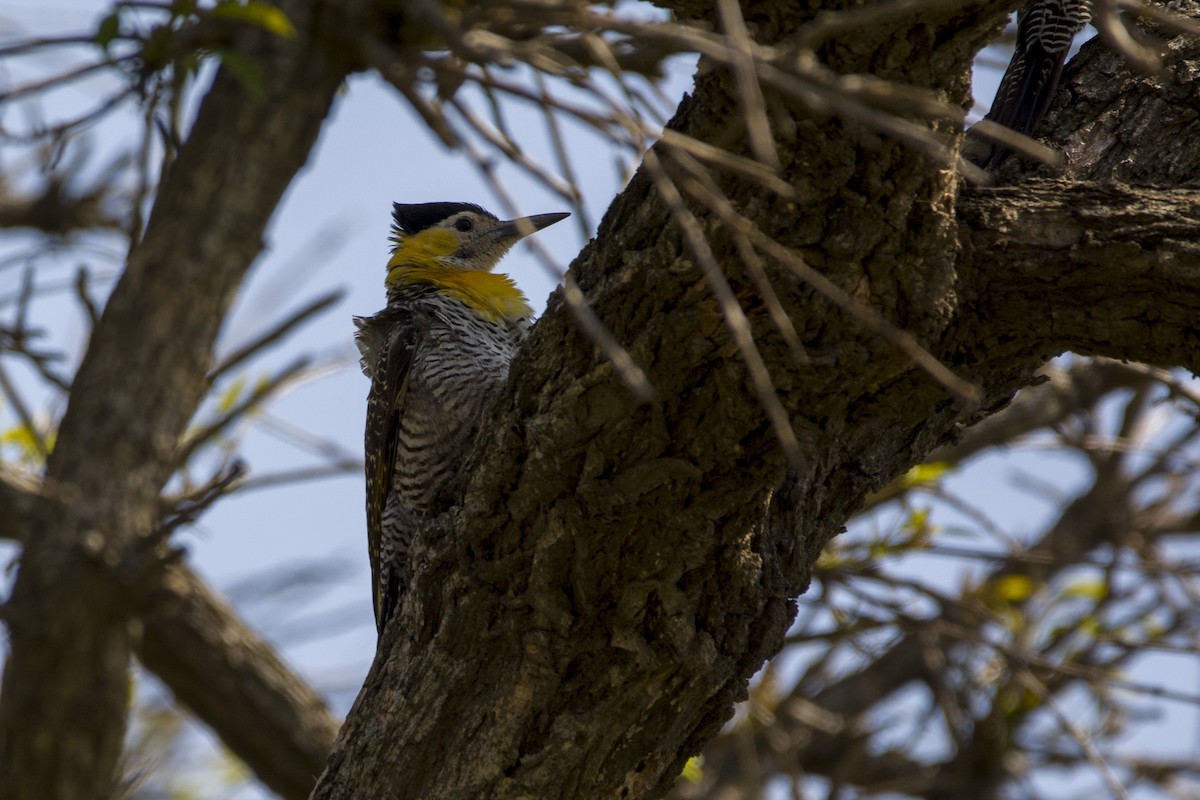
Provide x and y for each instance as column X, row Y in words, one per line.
column 1087, row 268
column 135, row 390
column 818, row 726
column 619, row 570
column 588, row 618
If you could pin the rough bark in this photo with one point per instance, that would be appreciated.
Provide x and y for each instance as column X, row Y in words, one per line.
column 590, row 615
column 136, row 389
column 1086, row 267
column 1117, row 124
column 614, row 611
column 1117, row 260
column 586, row 619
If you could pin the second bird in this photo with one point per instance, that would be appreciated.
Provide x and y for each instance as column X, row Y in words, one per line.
column 1045, row 31
column 437, row 357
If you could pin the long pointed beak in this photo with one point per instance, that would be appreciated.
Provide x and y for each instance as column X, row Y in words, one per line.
column 516, row 229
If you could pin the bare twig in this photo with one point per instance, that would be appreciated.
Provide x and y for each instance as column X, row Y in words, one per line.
column 17, row 402
column 754, row 108
column 1030, row 682
column 275, row 334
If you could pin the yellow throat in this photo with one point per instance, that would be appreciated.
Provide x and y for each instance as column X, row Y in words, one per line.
column 418, row 261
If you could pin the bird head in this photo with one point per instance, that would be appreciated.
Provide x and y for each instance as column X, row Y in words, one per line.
column 459, row 236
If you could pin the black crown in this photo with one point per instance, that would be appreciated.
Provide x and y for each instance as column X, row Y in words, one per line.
column 417, row 217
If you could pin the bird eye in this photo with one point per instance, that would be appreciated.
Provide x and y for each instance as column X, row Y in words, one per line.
column 464, row 225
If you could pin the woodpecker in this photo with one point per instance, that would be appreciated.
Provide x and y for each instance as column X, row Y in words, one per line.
column 437, row 356
column 1045, row 31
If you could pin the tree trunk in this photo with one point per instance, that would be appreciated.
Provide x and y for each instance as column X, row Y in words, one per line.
column 618, row 570
column 137, row 387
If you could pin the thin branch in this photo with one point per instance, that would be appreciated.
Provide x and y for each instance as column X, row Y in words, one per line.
column 300, row 370
column 965, row 393
column 1140, row 55
column 288, row 477
column 23, row 414
column 38, row 45
column 749, row 256
column 754, row 108
column 514, row 154
column 275, row 334
column 1030, row 682
column 186, row 510
column 85, row 299
column 56, row 81
column 563, row 159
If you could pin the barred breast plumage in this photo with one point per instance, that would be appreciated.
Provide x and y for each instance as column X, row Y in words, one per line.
column 436, row 365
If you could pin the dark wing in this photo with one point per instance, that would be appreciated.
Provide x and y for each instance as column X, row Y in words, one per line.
column 1045, row 30
column 396, row 342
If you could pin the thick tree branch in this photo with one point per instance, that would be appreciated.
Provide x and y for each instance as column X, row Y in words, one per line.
column 230, row 678
column 136, row 389
column 236, row 683
column 18, row 499
column 588, row 616
column 1047, row 266
column 57, row 210
column 1095, row 264
column 1114, row 123
column 1103, row 269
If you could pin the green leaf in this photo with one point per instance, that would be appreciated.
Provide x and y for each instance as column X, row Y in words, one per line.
column 1018, row 701
column 918, row 528
column 1091, row 626
column 265, row 16
column 925, row 474
column 231, row 395
column 831, row 559
column 692, row 770
column 1012, row 588
column 1153, row 629
column 1090, row 589
column 25, row 440
column 918, row 477
column 108, row 30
